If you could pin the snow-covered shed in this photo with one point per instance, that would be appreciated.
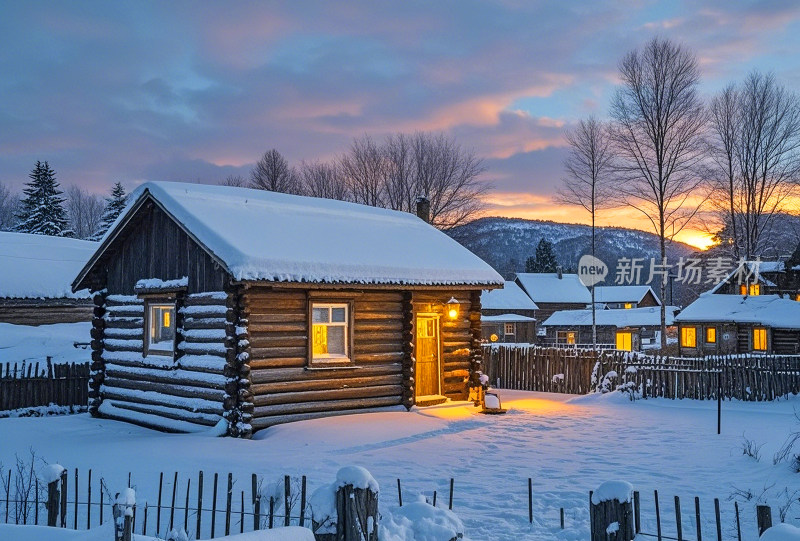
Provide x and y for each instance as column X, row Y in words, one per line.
column 723, row 324
column 35, row 276
column 508, row 315
column 626, row 297
column 627, row 330
column 245, row 308
column 553, row 291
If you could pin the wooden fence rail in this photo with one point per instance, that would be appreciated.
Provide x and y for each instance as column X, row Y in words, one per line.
column 31, row 384
column 566, row 370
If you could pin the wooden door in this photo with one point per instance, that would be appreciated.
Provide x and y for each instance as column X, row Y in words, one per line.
column 427, row 354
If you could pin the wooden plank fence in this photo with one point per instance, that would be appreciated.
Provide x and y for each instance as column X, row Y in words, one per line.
column 31, row 384
column 567, row 370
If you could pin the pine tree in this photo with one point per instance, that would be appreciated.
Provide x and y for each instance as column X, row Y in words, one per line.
column 545, row 259
column 114, row 206
column 42, row 209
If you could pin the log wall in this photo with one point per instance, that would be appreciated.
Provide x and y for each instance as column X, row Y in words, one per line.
column 181, row 394
column 45, row 311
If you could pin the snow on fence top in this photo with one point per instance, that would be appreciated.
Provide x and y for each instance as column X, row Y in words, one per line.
column 357, row 476
column 51, row 472
column 622, row 491
column 262, row 235
column 511, row 297
column 41, row 266
column 548, row 287
column 771, row 310
column 633, row 317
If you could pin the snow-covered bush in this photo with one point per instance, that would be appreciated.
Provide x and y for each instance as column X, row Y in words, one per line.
column 781, row 532
column 420, row 521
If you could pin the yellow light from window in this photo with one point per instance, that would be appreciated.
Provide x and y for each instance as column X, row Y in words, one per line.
column 320, row 339
column 166, row 319
column 571, row 338
column 755, row 289
column 688, row 337
column 628, row 306
column 624, row 341
column 760, row 339
column 711, row 335
column 797, row 297
column 743, row 289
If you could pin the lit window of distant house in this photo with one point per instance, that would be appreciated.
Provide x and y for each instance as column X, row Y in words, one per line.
column 330, row 334
column 759, row 339
column 624, row 340
column 628, row 306
column 510, row 328
column 743, row 289
column 711, row 335
column 797, row 297
column 755, row 289
column 160, row 328
column 566, row 337
column 688, row 337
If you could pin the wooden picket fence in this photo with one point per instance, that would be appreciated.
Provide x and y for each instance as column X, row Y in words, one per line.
column 34, row 384
column 567, row 370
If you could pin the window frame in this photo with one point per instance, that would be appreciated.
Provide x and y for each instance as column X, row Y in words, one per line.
column 760, row 331
column 513, row 328
column 149, row 304
column 710, row 335
column 685, row 334
column 754, row 290
column 331, row 360
column 566, row 335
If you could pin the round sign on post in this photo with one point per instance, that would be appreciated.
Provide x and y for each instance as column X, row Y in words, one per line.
column 591, row 270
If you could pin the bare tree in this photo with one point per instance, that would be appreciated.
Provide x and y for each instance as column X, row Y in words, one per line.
column 588, row 168
column 401, row 176
column 236, row 181
column 320, row 179
column 658, row 130
column 9, row 207
column 272, row 173
column 85, row 211
column 364, row 171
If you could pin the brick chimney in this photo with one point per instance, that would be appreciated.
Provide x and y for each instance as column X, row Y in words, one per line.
column 424, row 209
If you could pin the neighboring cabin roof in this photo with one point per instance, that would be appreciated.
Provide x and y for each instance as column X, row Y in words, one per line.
column 549, row 288
column 507, row 318
column 649, row 316
column 770, row 310
column 606, row 294
column 41, row 266
column 511, row 297
column 261, row 235
column 763, row 267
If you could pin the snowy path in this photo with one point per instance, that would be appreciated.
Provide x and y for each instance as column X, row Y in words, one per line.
column 567, row 445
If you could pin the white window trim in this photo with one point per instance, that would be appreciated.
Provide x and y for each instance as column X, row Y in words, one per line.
column 513, row 329
column 148, row 318
column 330, row 358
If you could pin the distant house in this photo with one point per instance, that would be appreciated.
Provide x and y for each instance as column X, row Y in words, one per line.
column 35, row 275
column 554, row 291
column 627, row 330
column 760, row 278
column 508, row 315
column 724, row 324
column 242, row 309
column 626, row 297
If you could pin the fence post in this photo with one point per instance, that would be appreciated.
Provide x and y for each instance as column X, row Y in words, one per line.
column 611, row 512
column 123, row 515
column 53, row 474
column 764, row 518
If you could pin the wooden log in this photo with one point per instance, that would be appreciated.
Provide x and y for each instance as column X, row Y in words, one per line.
column 328, row 395
column 303, row 374
column 357, row 514
column 326, row 406
column 265, row 422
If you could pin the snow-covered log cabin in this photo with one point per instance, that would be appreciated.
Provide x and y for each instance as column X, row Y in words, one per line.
column 35, row 275
column 242, row 309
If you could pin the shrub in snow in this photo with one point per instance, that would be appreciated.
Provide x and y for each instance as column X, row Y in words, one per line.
column 420, row 521
column 781, row 532
column 751, row 448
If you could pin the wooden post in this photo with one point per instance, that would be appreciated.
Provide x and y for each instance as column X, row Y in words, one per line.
column 172, row 507
column 303, row 501
column 450, row 503
column 287, row 490
column 256, row 503
column 562, row 518
column 764, row 518
column 64, row 499
column 271, row 510
column 214, row 507
column 611, row 519
column 716, row 515
column 637, row 512
column 75, row 507
column 357, row 514
column 199, row 502
column 678, row 523
column 158, row 509
column 228, row 506
column 53, row 497
column 530, row 500
column 399, row 493
column 89, row 502
column 697, row 518
column 738, row 522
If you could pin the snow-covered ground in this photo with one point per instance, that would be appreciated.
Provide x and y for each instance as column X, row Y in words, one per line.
column 567, row 445
column 20, row 343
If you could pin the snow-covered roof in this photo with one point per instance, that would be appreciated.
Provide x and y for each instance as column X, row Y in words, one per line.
column 770, row 310
column 606, row 294
column 634, row 317
column 549, row 288
column 41, row 266
column 261, row 235
column 753, row 267
column 506, row 318
column 511, row 297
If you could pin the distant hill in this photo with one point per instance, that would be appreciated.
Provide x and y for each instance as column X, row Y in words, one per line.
column 505, row 243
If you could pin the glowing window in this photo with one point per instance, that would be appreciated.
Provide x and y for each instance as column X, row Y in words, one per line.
column 329, row 332
column 797, row 297
column 755, row 289
column 759, row 339
column 566, row 337
column 688, row 337
column 711, row 335
column 628, row 306
column 743, row 289
column 160, row 333
column 510, row 328
column 624, row 340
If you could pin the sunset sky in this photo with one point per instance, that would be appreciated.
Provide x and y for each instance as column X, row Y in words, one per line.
column 195, row 91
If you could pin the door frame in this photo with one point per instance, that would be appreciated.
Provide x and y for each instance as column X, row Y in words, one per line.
column 440, row 373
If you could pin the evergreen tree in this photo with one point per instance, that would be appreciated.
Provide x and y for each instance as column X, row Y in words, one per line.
column 544, row 260
column 794, row 259
column 114, row 206
column 42, row 209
